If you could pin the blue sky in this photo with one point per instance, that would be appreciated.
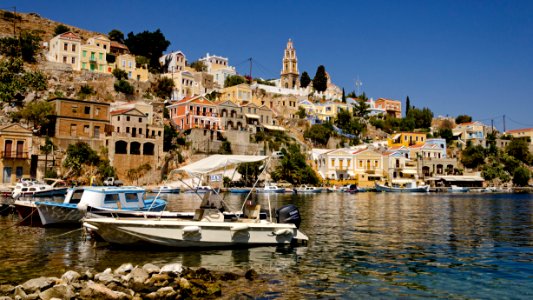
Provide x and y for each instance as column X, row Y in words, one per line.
column 455, row 57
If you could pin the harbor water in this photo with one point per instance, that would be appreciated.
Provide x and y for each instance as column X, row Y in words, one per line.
column 362, row 245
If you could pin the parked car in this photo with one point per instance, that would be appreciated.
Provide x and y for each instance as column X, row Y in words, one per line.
column 111, row 181
column 277, row 154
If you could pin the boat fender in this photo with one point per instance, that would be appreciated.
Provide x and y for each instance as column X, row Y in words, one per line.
column 239, row 227
column 285, row 231
column 90, row 226
column 191, row 229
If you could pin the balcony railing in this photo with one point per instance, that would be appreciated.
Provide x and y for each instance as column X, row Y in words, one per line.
column 15, row 154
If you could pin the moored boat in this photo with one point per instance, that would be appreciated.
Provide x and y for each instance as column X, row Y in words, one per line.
column 307, row 190
column 166, row 189
column 236, row 190
column 408, row 187
column 458, row 189
column 270, row 189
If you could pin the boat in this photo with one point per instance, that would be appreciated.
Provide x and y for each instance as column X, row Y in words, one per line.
column 209, row 227
column 270, row 189
column 307, row 190
column 29, row 188
column 458, row 189
column 352, row 189
column 236, row 190
column 58, row 188
column 74, row 207
column 408, row 187
column 166, row 189
column 199, row 189
column 27, row 212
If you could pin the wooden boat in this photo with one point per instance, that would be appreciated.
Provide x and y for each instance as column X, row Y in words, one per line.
column 73, row 208
column 409, row 187
column 208, row 227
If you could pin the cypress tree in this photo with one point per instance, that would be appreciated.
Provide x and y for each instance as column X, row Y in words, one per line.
column 407, row 106
column 305, row 79
column 320, row 81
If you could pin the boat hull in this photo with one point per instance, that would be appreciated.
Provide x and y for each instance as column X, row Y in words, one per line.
column 420, row 189
column 187, row 234
column 271, row 191
column 51, row 193
column 239, row 190
column 28, row 214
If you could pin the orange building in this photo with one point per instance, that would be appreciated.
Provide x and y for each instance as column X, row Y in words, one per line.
column 391, row 107
column 194, row 112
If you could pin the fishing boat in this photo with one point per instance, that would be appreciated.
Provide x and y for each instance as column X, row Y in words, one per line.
column 166, row 189
column 208, row 227
column 270, row 189
column 237, row 190
column 74, row 207
column 39, row 189
column 407, row 187
column 307, row 190
column 458, row 189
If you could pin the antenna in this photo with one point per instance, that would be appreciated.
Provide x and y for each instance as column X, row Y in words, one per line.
column 358, row 85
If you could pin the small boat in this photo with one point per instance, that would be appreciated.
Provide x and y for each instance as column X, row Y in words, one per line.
column 27, row 212
column 239, row 190
column 201, row 189
column 352, row 189
column 458, row 189
column 29, row 188
column 74, row 207
column 307, row 190
column 409, row 187
column 209, row 227
column 58, row 188
column 165, row 189
column 336, row 189
column 270, row 189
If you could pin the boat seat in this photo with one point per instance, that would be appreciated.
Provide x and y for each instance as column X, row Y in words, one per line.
column 212, row 215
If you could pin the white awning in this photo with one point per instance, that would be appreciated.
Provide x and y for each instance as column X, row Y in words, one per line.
column 252, row 116
column 218, row 162
column 272, row 127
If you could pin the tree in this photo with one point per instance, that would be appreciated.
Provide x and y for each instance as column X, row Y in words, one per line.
column 250, row 172
column 16, row 82
column 363, row 96
column 473, row 156
column 519, row 149
column 293, row 168
column 78, row 155
column 320, row 81
column 421, row 117
column 120, row 74
column 361, row 109
column 46, row 149
column 59, row 29
column 351, row 95
column 35, row 113
column 521, row 176
column 343, row 96
column 463, row 119
column 301, row 113
column 116, row 35
column 318, row 133
column 148, row 44
column 407, row 106
column 122, row 86
column 446, row 133
column 233, row 80
column 168, row 138
column 164, row 87
column 199, row 66
column 85, row 91
column 305, row 80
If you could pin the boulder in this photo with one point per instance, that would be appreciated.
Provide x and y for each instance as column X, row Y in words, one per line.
column 105, row 278
column 6, row 289
column 61, row 291
column 5, row 298
column 138, row 278
column 250, row 274
column 38, row 284
column 175, row 268
column 99, row 291
column 184, row 283
column 70, row 277
column 19, row 292
column 151, row 269
column 123, row 269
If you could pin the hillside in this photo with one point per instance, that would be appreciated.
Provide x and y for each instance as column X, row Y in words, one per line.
column 34, row 22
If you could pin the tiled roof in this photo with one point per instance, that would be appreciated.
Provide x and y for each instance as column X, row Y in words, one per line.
column 519, row 130
column 121, row 111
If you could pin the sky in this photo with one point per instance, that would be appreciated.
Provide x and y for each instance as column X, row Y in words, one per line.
column 455, row 57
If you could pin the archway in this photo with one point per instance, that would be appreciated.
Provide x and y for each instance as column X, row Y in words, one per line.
column 148, row 149
column 121, row 147
column 135, row 148
column 425, row 170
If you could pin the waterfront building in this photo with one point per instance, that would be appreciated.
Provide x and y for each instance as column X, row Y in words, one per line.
column 373, row 110
column 78, row 121
column 407, row 139
column 474, row 132
column 290, row 76
column 526, row 133
column 398, row 164
column 391, row 107
column 65, row 48
column 194, row 112
column 134, row 139
column 16, row 157
column 117, row 48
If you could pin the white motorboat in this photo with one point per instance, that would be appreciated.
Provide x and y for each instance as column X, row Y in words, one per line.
column 201, row 189
column 271, row 189
column 307, row 190
column 35, row 188
column 74, row 207
column 208, row 227
column 166, row 189
column 458, row 189
column 407, row 187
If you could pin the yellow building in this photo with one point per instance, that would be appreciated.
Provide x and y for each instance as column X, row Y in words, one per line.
column 240, row 94
column 127, row 63
column 407, row 139
column 16, row 153
column 522, row 133
column 93, row 59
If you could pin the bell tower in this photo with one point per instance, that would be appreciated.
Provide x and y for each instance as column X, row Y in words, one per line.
column 290, row 77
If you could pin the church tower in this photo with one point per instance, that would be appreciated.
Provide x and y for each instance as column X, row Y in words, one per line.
column 290, row 77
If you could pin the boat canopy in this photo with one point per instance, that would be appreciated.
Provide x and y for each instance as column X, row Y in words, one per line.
column 218, row 162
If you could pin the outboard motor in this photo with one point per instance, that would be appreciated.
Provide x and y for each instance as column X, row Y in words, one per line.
column 289, row 214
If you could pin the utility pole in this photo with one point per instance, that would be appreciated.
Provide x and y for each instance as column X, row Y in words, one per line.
column 14, row 21
column 503, row 123
column 250, row 70
column 491, row 126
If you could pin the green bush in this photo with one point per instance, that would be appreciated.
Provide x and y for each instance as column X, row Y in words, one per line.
column 122, row 86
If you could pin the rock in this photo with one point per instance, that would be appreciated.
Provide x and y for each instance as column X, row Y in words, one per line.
column 70, row 277
column 184, row 283
column 123, row 269
column 105, row 278
column 229, row 276
column 87, row 275
column 5, row 298
column 158, row 280
column 166, row 293
column 33, row 296
column 61, row 291
column 99, row 291
column 151, row 269
column 137, row 280
column 38, row 284
column 6, row 289
column 250, row 274
column 204, row 274
column 30, row 97
column 176, row 268
column 19, row 292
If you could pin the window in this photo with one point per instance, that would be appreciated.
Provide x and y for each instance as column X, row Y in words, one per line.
column 84, row 65
column 127, row 130
column 74, row 108
column 65, row 46
column 87, row 110
column 111, row 198
column 73, row 60
column 73, row 129
column 101, row 68
column 105, row 46
column 97, row 111
column 140, row 120
column 123, row 63
column 159, row 133
column 129, row 75
column 118, row 129
column 86, row 129
column 64, row 59
column 131, row 197
column 84, row 53
column 73, row 47
column 332, row 162
column 96, row 131
column 118, row 118
column 18, row 172
column 140, row 131
column 127, row 118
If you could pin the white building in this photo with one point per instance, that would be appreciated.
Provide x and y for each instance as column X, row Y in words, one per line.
column 219, row 67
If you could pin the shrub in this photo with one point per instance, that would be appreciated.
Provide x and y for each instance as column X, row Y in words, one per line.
column 122, row 86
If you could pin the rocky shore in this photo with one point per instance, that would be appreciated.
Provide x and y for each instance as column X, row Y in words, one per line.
column 170, row 281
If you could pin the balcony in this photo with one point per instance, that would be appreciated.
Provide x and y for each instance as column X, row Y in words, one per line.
column 14, row 154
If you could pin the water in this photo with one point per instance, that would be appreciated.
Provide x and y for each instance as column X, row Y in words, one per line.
column 363, row 245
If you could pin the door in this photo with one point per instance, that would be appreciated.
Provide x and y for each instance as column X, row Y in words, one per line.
column 7, row 148
column 20, row 149
column 6, row 175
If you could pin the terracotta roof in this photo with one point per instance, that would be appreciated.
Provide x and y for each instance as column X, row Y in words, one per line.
column 116, row 44
column 519, row 130
column 417, row 146
column 121, row 111
column 70, row 35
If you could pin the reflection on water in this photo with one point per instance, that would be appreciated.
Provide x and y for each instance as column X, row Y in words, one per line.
column 368, row 244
